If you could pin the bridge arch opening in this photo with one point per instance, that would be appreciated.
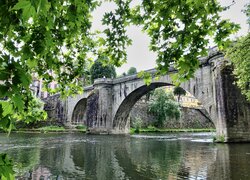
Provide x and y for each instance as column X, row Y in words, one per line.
column 121, row 119
column 79, row 113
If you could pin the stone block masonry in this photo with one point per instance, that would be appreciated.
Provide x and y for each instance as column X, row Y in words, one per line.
column 190, row 118
column 212, row 84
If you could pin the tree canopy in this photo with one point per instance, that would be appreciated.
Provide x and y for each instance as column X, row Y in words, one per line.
column 100, row 70
column 178, row 91
column 53, row 40
column 131, row 71
column 164, row 106
column 239, row 54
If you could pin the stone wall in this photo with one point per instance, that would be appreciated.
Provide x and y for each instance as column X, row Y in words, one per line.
column 56, row 110
column 234, row 108
column 92, row 107
column 190, row 118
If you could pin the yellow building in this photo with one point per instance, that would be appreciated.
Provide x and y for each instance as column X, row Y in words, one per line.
column 186, row 101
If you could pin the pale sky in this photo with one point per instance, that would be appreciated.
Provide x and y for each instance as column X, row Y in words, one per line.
column 139, row 55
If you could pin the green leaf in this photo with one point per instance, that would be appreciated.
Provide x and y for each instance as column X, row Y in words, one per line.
column 147, row 77
column 43, row 6
column 31, row 63
column 4, row 75
column 5, row 123
column 175, row 79
column 6, row 168
column 22, row 4
column 27, row 8
column 7, row 108
column 25, row 78
column 3, row 90
column 17, row 99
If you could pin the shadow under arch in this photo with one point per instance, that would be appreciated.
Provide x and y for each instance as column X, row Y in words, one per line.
column 120, row 121
column 79, row 113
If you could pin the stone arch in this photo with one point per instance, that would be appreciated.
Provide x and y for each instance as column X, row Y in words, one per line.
column 92, row 109
column 120, row 121
column 79, row 113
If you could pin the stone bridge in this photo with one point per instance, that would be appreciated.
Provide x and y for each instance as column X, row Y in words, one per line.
column 105, row 106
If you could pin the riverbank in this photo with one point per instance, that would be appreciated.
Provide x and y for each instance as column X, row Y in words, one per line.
column 83, row 129
column 50, row 129
column 162, row 130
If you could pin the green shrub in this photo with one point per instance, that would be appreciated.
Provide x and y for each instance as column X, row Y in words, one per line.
column 164, row 107
column 137, row 124
column 151, row 128
column 81, row 127
column 219, row 139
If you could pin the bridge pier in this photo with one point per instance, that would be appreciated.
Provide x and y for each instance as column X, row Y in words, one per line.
column 233, row 124
column 109, row 101
column 99, row 108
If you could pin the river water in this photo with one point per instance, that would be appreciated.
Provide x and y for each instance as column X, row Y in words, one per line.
column 138, row 157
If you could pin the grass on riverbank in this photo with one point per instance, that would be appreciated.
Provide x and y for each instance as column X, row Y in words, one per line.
column 47, row 129
column 52, row 128
column 162, row 130
column 81, row 128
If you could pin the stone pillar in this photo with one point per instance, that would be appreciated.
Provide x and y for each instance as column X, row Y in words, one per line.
column 233, row 124
column 56, row 110
column 99, row 107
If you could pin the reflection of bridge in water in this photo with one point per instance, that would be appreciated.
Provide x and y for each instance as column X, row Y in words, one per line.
column 105, row 106
column 121, row 157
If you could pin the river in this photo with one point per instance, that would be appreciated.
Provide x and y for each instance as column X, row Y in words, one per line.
column 138, row 157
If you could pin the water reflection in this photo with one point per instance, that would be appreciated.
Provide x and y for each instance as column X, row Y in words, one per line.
column 78, row 156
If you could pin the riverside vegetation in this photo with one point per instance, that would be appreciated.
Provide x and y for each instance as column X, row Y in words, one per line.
column 54, row 42
column 33, row 35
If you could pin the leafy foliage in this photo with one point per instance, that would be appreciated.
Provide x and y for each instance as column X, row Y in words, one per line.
column 163, row 106
column 239, row 54
column 33, row 111
column 147, row 77
column 100, row 70
column 53, row 40
column 132, row 71
column 178, row 91
column 137, row 124
column 247, row 12
column 116, row 38
column 180, row 31
column 6, row 168
column 47, row 38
